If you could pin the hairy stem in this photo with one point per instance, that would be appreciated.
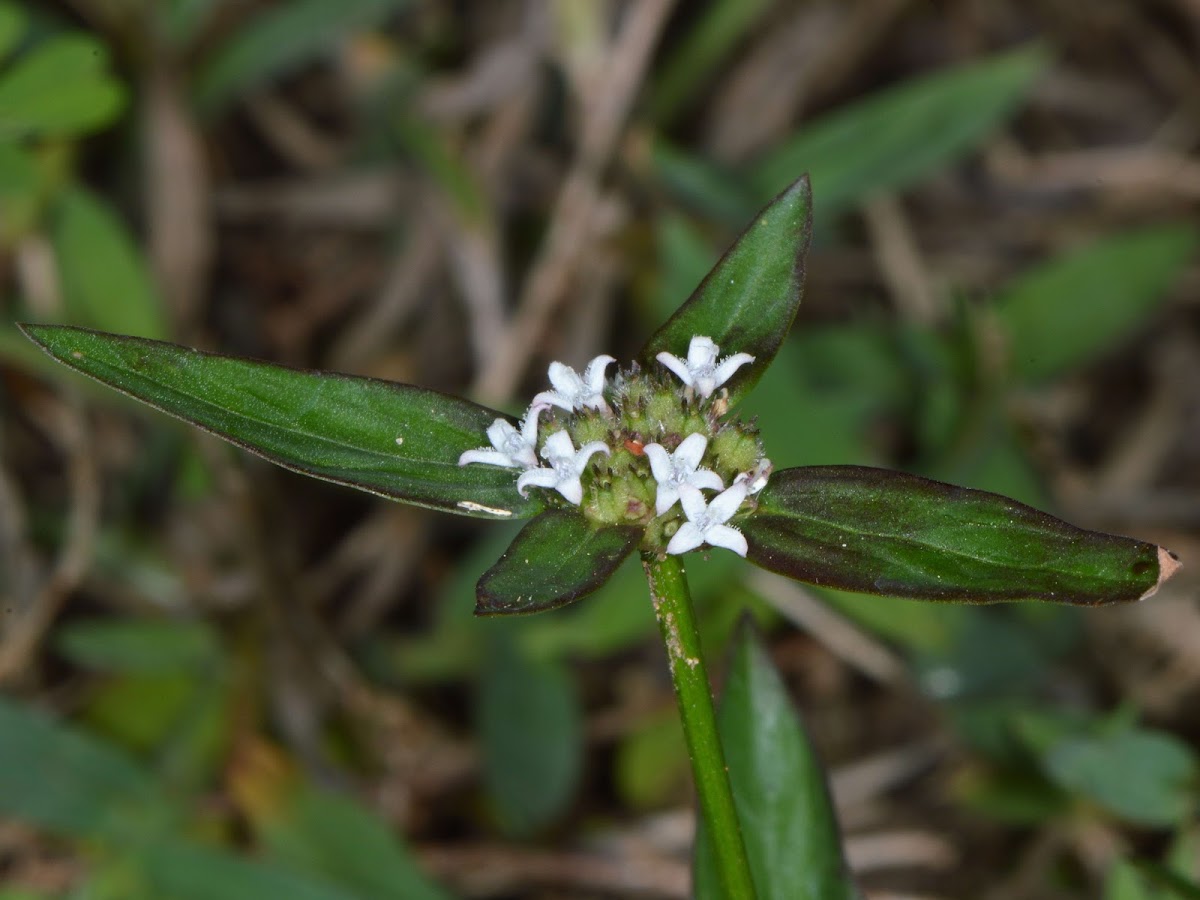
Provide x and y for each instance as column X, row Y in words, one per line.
column 677, row 622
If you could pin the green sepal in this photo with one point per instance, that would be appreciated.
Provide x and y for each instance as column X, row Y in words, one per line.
column 556, row 559
column 395, row 440
column 881, row 532
column 746, row 304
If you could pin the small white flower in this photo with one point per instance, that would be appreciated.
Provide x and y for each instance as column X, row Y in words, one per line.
column 573, row 391
column 706, row 522
column 701, row 371
column 566, row 465
column 756, row 478
column 674, row 470
column 513, row 449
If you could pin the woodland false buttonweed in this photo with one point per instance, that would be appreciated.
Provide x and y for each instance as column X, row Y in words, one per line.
column 653, row 435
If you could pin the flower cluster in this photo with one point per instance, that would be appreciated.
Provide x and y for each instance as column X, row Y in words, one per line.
column 639, row 449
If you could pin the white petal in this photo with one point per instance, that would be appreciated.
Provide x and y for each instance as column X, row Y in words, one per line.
column 552, row 398
column 526, row 458
column 701, row 352
column 692, row 501
column 499, row 431
column 707, row 479
column 665, row 498
column 558, row 446
column 487, row 457
column 660, row 462
column 705, row 385
column 730, row 365
column 587, row 451
column 594, row 373
column 545, row 478
column 564, row 379
column 529, row 425
column 726, row 503
column 691, row 450
column 572, row 489
column 688, row 537
column 728, row 537
column 676, row 365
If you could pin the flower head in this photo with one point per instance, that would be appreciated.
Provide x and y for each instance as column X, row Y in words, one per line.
column 566, row 465
column 672, row 471
column 706, row 521
column 513, row 449
column 701, row 371
column 573, row 391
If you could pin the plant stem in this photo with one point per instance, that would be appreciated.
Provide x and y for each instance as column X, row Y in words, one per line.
column 677, row 622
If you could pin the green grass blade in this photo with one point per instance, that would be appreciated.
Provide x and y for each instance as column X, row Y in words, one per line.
column 882, row 532
column 394, row 440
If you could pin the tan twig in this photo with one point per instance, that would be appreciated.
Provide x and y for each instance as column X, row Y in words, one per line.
column 571, row 223
column 900, row 261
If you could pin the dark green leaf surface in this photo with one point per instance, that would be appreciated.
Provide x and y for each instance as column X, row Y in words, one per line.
column 1063, row 314
column 788, row 822
column 747, row 303
column 557, row 558
column 394, row 440
column 531, row 724
column 893, row 139
column 890, row 533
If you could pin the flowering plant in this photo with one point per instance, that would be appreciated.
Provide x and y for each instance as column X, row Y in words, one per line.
column 650, row 459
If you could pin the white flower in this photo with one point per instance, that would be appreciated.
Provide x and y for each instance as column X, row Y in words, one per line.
column 566, row 465
column 701, row 371
column 573, row 391
column 674, row 470
column 706, row 522
column 756, row 478
column 513, row 449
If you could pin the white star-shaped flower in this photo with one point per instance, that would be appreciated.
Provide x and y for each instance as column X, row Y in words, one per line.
column 706, row 522
column 510, row 448
column 701, row 371
column 573, row 391
column 674, row 470
column 566, row 465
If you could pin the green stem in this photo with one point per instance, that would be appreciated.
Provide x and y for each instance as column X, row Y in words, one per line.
column 677, row 622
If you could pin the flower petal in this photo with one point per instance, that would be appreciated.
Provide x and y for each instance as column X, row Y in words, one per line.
column 676, row 365
column 728, row 537
column 488, row 457
column 587, row 451
column 499, row 432
column 707, row 479
column 572, row 489
column 660, row 461
column 701, row 352
column 558, row 446
column 547, row 399
column 544, row 478
column 564, row 379
column 731, row 364
column 726, row 503
column 593, row 375
column 688, row 537
column 691, row 450
column 692, row 501
column 665, row 498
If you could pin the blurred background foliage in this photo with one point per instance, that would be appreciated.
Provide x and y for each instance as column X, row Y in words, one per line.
column 224, row 681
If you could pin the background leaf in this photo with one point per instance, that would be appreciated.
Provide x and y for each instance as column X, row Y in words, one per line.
column 1111, row 286
column 788, row 822
column 890, row 533
column 394, row 440
column 748, row 301
column 556, row 559
column 59, row 88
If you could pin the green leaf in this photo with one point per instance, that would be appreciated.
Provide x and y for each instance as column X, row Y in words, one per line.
column 319, row 833
column 394, row 440
column 280, row 40
column 747, row 303
column 21, row 189
column 894, row 534
column 893, row 139
column 1070, row 310
column 59, row 89
column 531, row 725
column 556, row 559
column 139, row 645
column 64, row 780
column 104, row 280
column 1140, row 775
column 12, row 27
column 788, row 821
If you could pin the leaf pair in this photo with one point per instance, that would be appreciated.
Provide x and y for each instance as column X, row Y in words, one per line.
column 847, row 527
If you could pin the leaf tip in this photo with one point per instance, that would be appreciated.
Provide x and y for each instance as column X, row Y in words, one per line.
column 1168, row 565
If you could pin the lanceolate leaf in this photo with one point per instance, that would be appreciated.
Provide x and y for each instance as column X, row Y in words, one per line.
column 788, row 822
column 890, row 533
column 557, row 558
column 747, row 303
column 394, row 440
